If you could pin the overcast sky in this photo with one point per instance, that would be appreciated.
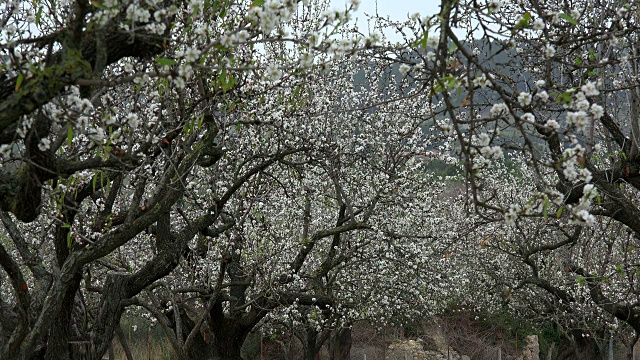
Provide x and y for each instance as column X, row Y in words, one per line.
column 395, row 9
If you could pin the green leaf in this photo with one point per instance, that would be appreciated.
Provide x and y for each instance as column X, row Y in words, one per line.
column 94, row 181
column 223, row 12
column 226, row 81
column 559, row 212
column 165, row 61
column 19, row 82
column 422, row 43
column 69, row 136
column 257, row 3
column 565, row 97
column 38, row 15
column 569, row 19
column 524, row 21
column 545, row 208
column 296, row 92
column 69, row 240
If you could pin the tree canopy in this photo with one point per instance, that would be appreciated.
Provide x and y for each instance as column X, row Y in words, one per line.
column 221, row 166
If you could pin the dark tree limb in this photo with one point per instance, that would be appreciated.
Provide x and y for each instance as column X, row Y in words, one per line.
column 12, row 347
column 31, row 259
column 629, row 313
column 70, row 65
column 616, row 133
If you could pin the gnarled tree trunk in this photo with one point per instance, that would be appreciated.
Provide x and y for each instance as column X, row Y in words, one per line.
column 340, row 344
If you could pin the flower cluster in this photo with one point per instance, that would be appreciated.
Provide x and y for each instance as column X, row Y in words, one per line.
column 573, row 164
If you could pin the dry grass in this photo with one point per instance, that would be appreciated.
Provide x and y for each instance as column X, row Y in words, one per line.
column 145, row 345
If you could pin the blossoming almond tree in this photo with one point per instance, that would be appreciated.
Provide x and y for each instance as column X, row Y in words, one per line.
column 554, row 84
column 317, row 233
column 128, row 125
column 526, row 270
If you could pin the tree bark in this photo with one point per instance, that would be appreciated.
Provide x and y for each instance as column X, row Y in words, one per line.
column 310, row 350
column 20, row 189
column 108, row 319
column 579, row 348
column 229, row 334
column 340, row 344
column 61, row 332
column 124, row 343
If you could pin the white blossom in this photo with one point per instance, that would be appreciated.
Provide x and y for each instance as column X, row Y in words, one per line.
column 44, row 144
column 191, row 54
column 590, row 89
column 511, row 215
column 306, row 59
column 543, row 95
column 96, row 134
column 585, row 217
column 538, row 24
column 494, row 5
column 133, row 120
column 613, row 41
column 578, row 119
column 552, row 124
column 549, row 51
column 433, row 41
column 272, row 72
column 494, row 152
column 5, row 151
column 524, row 98
column 243, row 36
column 179, row 83
column 500, row 109
column 529, row 117
column 597, row 111
column 582, row 105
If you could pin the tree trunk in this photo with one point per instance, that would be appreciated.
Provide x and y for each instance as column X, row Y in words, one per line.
column 60, row 333
column 202, row 346
column 123, row 342
column 581, row 348
column 229, row 333
column 309, row 344
column 340, row 344
column 550, row 351
column 229, row 340
column 109, row 314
